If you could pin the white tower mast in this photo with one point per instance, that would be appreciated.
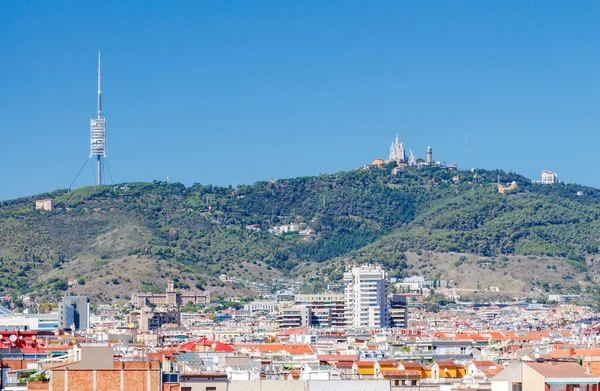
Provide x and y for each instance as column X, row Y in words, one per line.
column 98, row 134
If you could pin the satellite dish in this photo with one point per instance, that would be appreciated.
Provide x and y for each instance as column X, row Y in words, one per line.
column 12, row 338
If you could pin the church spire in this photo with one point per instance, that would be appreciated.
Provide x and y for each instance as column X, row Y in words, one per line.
column 397, row 151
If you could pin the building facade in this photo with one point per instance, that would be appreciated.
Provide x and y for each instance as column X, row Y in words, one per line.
column 398, row 311
column 328, row 308
column 366, row 297
column 294, row 316
column 549, row 178
column 170, row 298
column 45, row 204
column 74, row 311
column 148, row 320
column 397, row 152
column 267, row 306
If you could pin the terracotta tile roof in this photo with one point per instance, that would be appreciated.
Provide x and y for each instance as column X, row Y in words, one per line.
column 560, row 369
column 497, row 336
column 276, row 347
column 469, row 337
column 460, row 336
column 365, row 364
column 193, row 346
column 387, row 363
column 342, row 364
column 401, row 373
column 447, row 364
column 411, row 365
column 483, row 363
column 493, row 371
column 297, row 330
column 160, row 355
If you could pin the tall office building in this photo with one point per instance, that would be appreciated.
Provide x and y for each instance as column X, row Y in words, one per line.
column 366, row 297
column 74, row 311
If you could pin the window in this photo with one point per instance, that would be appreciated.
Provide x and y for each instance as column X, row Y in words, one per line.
column 170, row 378
column 186, row 388
column 517, row 387
column 396, row 382
column 211, row 389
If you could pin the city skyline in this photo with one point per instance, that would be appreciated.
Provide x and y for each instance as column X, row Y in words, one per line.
column 193, row 96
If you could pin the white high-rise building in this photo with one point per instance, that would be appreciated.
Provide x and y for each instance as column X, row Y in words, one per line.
column 366, row 297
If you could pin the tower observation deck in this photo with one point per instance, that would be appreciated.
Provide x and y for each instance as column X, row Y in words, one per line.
column 98, row 134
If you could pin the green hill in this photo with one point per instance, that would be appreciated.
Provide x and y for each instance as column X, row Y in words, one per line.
column 113, row 239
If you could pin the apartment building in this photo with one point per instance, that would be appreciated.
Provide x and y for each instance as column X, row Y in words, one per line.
column 294, row 316
column 328, row 309
column 366, row 297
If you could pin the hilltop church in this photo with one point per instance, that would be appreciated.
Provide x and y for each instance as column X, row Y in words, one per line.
column 398, row 155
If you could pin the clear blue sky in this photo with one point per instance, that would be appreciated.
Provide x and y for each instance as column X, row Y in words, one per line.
column 229, row 92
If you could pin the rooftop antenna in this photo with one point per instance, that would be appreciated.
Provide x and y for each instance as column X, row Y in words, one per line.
column 99, row 111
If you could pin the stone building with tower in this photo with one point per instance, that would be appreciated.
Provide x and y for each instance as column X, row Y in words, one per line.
column 398, row 154
column 170, row 298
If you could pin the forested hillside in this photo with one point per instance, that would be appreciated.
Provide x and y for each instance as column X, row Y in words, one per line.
column 135, row 235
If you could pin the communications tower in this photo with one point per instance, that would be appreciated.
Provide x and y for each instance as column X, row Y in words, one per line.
column 98, row 134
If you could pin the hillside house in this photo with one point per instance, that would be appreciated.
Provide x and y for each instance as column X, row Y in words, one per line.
column 45, row 204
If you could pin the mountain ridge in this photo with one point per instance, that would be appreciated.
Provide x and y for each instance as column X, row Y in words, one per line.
column 135, row 236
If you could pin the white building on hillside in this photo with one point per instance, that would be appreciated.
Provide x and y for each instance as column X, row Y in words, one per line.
column 549, row 178
column 45, row 204
column 397, row 153
column 366, row 297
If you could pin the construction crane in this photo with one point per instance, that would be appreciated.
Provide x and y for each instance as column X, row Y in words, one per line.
column 412, row 160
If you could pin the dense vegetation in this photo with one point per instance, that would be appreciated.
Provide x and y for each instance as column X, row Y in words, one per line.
column 370, row 214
